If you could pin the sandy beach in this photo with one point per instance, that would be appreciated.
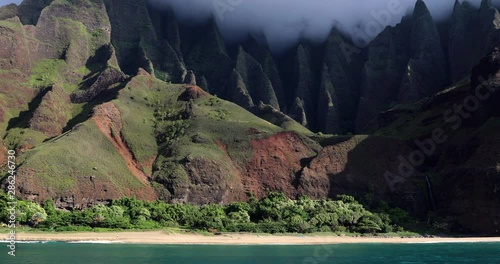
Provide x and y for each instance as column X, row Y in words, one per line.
column 161, row 237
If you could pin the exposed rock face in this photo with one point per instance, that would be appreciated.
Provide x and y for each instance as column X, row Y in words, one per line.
column 302, row 83
column 237, row 91
column 166, row 27
column 272, row 115
column 51, row 115
column 190, row 78
column 489, row 27
column 426, row 71
column 262, row 55
column 463, row 50
column 16, row 44
column 257, row 83
column 344, row 64
column 387, row 58
column 275, row 163
column 203, row 83
column 298, row 111
column 328, row 115
column 108, row 120
column 205, row 49
column 63, row 28
column 467, row 26
column 220, row 187
column 29, row 10
column 142, row 60
column 192, row 92
column 167, row 32
column 107, row 78
column 485, row 79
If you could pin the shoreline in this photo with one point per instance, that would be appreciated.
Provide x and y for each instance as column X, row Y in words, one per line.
column 162, row 237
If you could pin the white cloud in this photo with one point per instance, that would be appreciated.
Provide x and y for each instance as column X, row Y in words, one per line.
column 284, row 21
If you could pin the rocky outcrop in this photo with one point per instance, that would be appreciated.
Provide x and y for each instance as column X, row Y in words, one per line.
column 191, row 92
column 344, row 63
column 302, row 82
column 167, row 33
column 387, row 59
column 256, row 81
column 298, row 111
column 328, row 104
column 206, row 50
column 203, row 83
column 278, row 118
column 275, row 162
column 105, row 79
column 467, row 26
column 63, row 31
column 16, row 43
column 135, row 39
column 166, row 27
column 489, row 23
column 426, row 72
column 190, row 78
column 485, row 77
column 237, row 91
column 463, row 50
column 29, row 10
column 263, row 56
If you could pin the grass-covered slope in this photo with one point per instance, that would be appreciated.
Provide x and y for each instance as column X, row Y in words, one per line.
column 187, row 144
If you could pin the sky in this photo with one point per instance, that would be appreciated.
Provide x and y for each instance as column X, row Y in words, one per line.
column 283, row 22
column 6, row 2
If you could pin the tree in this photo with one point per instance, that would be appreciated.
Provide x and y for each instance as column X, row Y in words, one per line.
column 30, row 213
column 367, row 224
column 211, row 216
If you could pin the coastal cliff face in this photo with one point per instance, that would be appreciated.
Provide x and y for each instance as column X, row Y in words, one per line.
column 101, row 106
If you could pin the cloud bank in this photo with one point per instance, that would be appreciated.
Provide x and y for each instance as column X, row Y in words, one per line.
column 283, row 22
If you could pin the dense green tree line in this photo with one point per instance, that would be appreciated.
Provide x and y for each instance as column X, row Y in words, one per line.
column 272, row 214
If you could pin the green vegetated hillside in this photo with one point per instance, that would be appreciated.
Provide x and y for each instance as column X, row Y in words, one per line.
column 105, row 99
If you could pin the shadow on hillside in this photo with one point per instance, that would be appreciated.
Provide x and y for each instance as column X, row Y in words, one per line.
column 22, row 121
column 104, row 97
column 364, row 177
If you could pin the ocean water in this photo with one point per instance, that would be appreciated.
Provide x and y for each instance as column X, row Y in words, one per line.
column 82, row 253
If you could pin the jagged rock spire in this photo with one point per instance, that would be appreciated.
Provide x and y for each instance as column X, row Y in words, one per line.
column 237, row 91
column 486, row 4
column 260, row 52
column 258, row 84
column 426, row 71
column 190, row 78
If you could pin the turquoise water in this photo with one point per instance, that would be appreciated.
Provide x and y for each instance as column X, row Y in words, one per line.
column 62, row 253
